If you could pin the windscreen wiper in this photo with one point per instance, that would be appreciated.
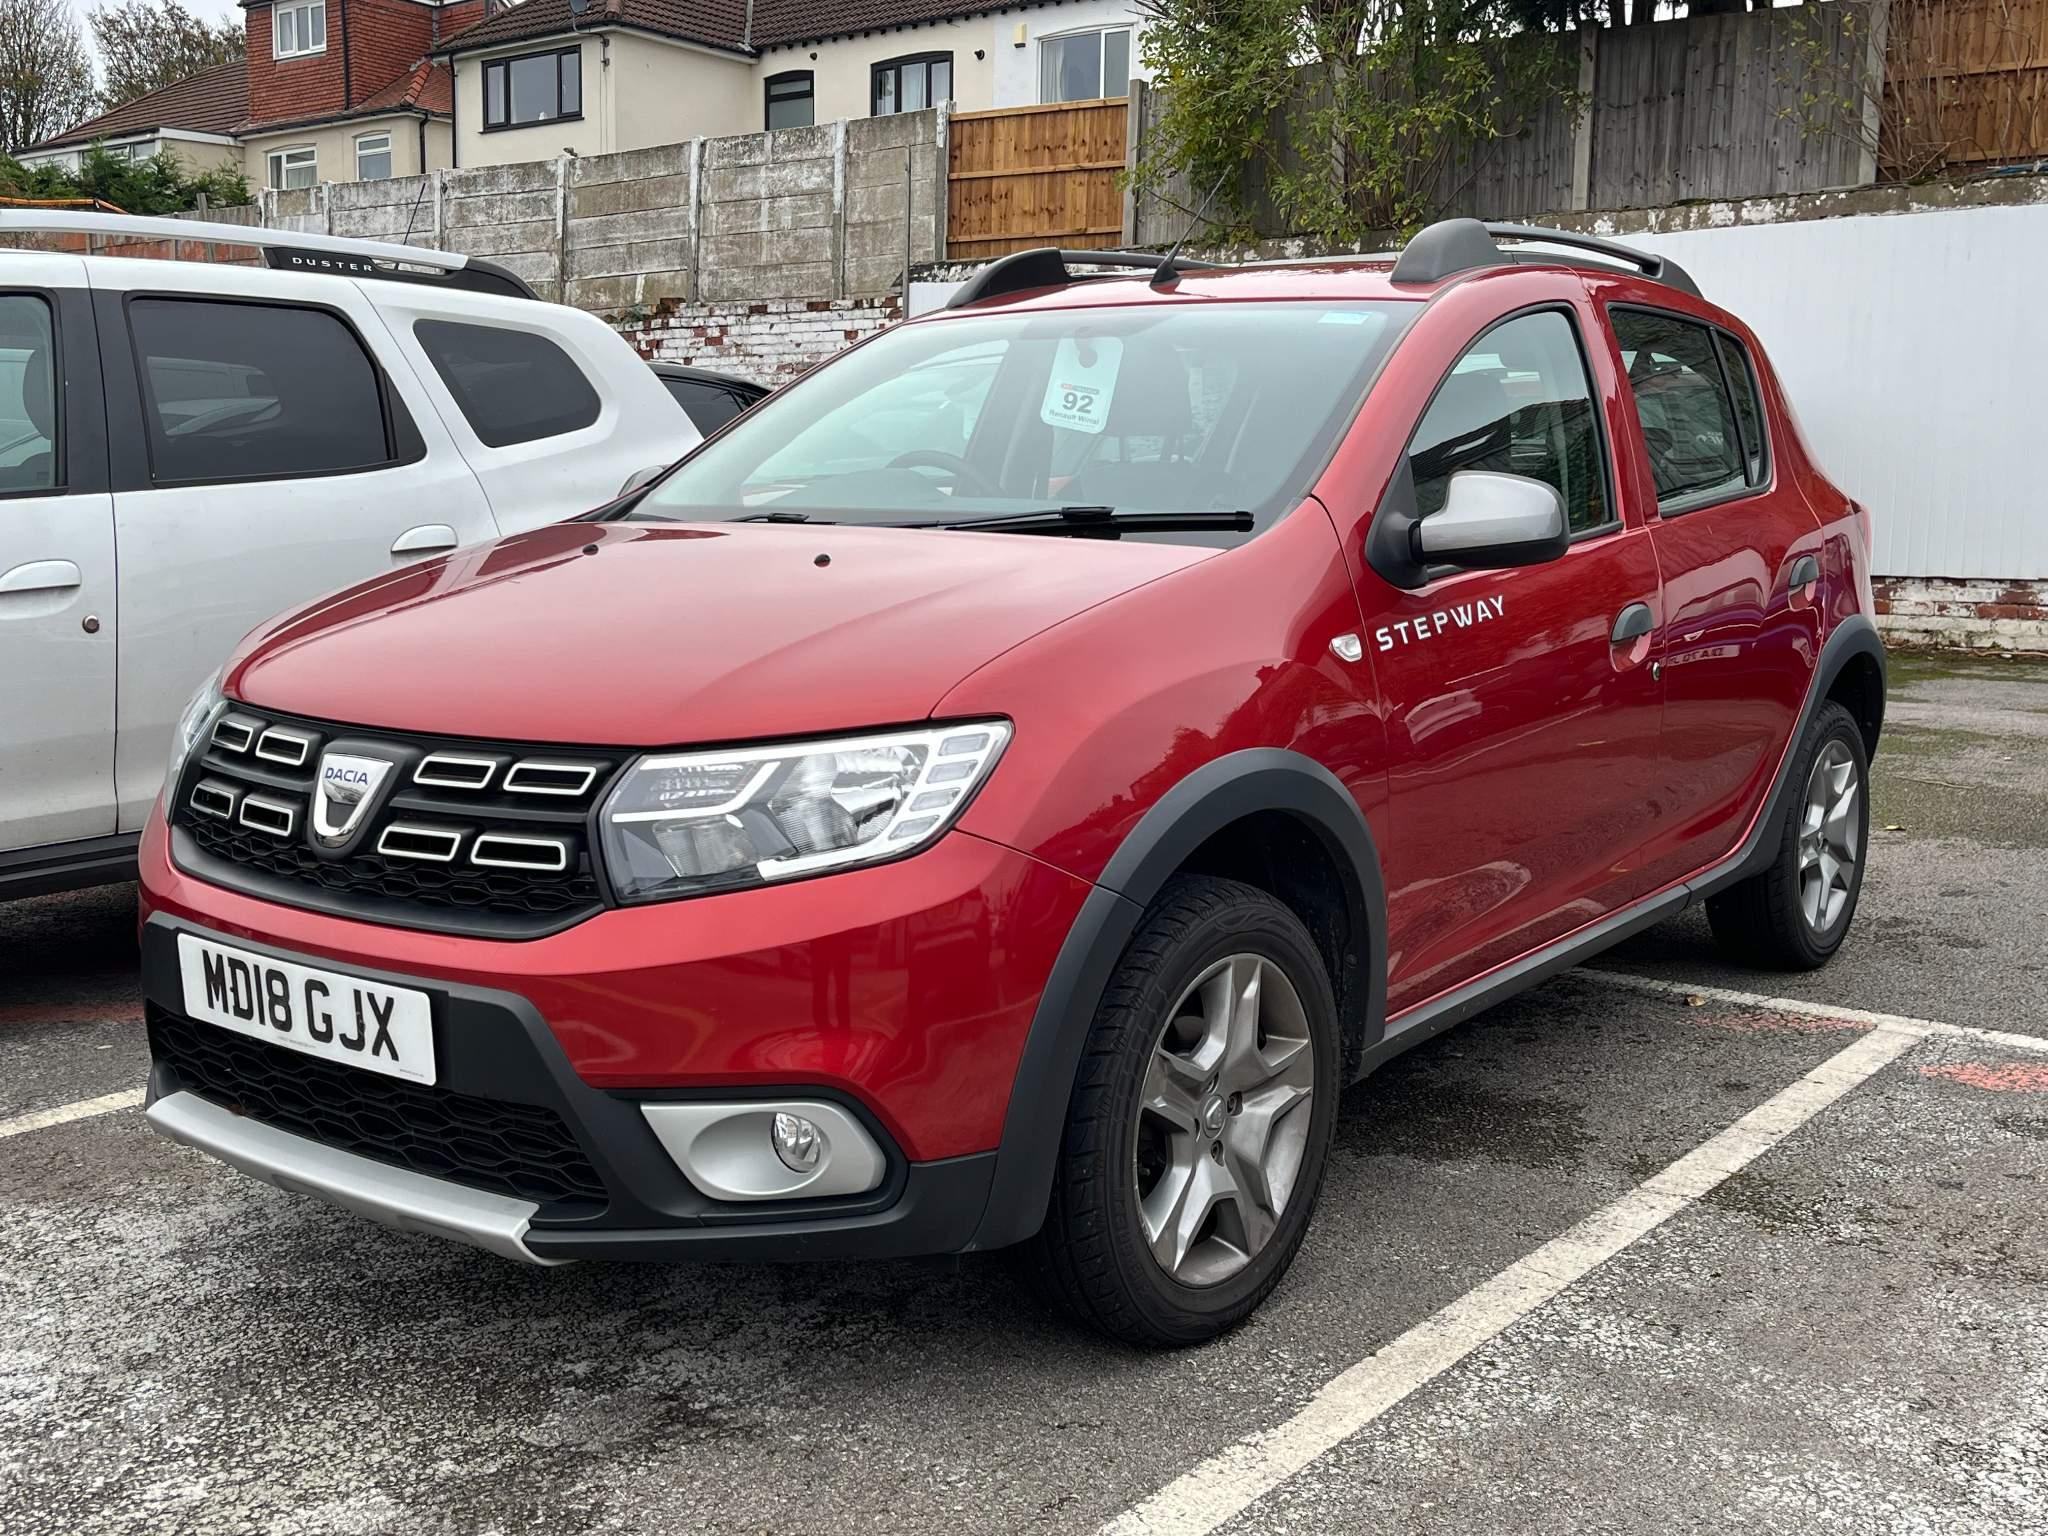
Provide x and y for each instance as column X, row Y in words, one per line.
column 778, row 517
column 1087, row 520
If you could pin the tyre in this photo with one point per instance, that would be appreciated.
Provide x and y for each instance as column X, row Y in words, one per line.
column 1200, row 1120
column 1794, row 915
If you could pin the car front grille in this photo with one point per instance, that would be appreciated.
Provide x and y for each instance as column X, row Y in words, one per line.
column 470, row 837
column 521, row 1150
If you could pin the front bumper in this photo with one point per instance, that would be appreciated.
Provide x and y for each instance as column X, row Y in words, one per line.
column 886, row 1013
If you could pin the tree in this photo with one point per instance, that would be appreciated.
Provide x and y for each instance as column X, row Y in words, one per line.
column 45, row 76
column 145, row 45
column 156, row 185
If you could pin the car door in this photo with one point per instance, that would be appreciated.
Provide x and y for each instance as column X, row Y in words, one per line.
column 262, row 455
column 58, row 614
column 1522, row 712
column 1740, row 551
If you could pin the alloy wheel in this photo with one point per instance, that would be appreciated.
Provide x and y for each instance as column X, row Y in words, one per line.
column 1830, row 837
column 1223, row 1119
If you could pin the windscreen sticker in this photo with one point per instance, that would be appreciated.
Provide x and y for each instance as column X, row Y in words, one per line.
column 1082, row 383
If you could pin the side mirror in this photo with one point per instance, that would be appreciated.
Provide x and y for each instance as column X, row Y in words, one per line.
column 638, row 478
column 1489, row 520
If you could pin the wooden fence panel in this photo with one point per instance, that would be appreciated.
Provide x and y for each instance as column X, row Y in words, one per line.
column 1027, row 176
column 1967, row 79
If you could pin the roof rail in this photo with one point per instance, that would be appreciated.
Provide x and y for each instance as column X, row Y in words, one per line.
column 1462, row 245
column 1046, row 267
column 286, row 249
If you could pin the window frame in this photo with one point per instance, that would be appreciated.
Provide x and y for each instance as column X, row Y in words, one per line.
column 1699, row 501
column 60, row 480
column 273, row 165
column 387, row 151
column 1616, row 522
column 896, row 66
column 299, row 8
column 403, row 444
column 1101, row 44
column 810, row 94
column 504, row 63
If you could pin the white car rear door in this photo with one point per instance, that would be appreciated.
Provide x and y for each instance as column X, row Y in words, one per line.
column 58, row 620
column 267, row 447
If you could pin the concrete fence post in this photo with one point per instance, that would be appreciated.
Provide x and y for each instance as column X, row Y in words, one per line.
column 693, row 281
column 561, row 228
column 1871, row 84
column 1582, row 130
column 839, row 209
column 440, row 187
column 1134, row 148
column 942, row 179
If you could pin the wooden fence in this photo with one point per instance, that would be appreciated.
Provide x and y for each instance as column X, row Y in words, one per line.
column 1965, row 83
column 1019, row 177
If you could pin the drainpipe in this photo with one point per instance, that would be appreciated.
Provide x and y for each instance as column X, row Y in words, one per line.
column 348, row 95
column 454, row 118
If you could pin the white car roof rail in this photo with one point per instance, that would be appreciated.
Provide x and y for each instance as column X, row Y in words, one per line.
column 286, row 250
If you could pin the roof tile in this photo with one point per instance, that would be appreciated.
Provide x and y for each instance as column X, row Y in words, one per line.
column 215, row 100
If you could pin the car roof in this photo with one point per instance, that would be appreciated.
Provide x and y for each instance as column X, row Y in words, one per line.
column 706, row 376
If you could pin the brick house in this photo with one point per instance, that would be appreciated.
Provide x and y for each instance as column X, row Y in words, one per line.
column 195, row 119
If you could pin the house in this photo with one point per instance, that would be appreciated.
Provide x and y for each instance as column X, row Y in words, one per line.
column 598, row 76
column 195, row 119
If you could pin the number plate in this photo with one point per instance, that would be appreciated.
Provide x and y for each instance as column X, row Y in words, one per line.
column 349, row 1019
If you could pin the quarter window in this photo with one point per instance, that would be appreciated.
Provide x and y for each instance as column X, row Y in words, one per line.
column 1517, row 402
column 533, row 88
column 1082, row 66
column 28, row 396
column 255, row 392
column 373, row 157
column 298, row 29
column 913, row 83
column 1697, row 446
column 791, row 102
column 511, row 386
column 293, row 168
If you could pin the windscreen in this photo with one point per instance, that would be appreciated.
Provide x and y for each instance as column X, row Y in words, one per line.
column 1221, row 406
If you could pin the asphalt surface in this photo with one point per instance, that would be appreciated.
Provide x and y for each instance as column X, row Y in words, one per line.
column 1844, row 1335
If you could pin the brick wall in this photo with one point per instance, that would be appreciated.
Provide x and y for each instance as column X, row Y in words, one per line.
column 1980, row 615
column 766, row 341
column 385, row 38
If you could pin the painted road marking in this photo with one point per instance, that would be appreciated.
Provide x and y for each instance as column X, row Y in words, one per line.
column 1229, row 1482
column 1661, row 987
column 64, row 1114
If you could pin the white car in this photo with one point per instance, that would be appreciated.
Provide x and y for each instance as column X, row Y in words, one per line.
column 189, row 447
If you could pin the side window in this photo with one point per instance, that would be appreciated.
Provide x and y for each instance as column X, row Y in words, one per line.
column 1683, row 402
column 1748, row 414
column 708, row 406
column 236, row 391
column 28, row 395
column 511, row 386
column 1519, row 402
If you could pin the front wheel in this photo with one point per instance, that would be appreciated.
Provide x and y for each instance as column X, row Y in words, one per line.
column 1794, row 915
column 1200, row 1120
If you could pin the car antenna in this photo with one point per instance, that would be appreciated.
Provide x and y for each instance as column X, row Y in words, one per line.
column 1165, row 272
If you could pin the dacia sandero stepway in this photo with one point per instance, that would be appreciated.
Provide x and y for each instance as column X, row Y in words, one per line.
column 1003, row 788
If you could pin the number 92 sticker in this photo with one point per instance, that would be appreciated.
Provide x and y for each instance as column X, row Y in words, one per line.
column 1082, row 383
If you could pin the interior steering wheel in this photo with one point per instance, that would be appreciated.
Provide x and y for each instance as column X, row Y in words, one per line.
column 963, row 473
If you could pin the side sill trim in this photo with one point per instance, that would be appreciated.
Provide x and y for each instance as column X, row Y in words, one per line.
column 53, row 867
column 397, row 1197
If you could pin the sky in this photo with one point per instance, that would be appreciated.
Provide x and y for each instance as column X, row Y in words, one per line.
column 211, row 10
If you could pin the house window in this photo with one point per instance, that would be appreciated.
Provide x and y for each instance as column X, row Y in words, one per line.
column 293, row 168
column 533, row 88
column 298, row 29
column 1084, row 66
column 911, row 84
column 790, row 100
column 373, row 156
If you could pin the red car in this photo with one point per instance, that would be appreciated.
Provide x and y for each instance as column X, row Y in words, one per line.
column 1004, row 787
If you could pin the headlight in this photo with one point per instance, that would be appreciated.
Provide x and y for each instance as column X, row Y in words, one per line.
column 688, row 824
column 192, row 724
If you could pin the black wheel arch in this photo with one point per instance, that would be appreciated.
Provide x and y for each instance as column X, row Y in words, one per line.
column 1221, row 793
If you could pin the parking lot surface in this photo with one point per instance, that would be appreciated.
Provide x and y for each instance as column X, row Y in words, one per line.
column 1664, row 1246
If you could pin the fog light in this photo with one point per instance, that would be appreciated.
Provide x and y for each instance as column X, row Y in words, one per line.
column 796, row 1141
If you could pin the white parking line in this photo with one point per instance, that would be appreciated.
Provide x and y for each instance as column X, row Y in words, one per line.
column 1226, row 1484
column 1810, row 1009
column 63, row 1114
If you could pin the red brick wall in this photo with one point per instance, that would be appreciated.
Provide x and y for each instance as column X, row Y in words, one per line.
column 460, row 18
column 285, row 90
column 385, row 38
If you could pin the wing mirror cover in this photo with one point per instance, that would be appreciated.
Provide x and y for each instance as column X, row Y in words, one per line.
column 1491, row 520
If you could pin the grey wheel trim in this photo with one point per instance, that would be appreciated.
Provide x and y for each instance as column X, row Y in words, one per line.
column 1223, row 1119
column 1830, row 837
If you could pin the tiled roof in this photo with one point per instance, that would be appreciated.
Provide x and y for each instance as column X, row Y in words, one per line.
column 717, row 23
column 428, row 88
column 215, row 100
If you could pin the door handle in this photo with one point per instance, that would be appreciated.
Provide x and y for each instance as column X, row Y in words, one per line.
column 1632, row 623
column 1805, row 572
column 427, row 539
column 41, row 576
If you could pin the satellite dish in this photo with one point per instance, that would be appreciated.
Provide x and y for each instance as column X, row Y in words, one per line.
column 579, row 7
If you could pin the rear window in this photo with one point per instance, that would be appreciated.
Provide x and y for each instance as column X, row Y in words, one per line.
column 1696, row 400
column 1184, row 407
column 511, row 386
column 709, row 406
column 238, row 391
column 28, row 395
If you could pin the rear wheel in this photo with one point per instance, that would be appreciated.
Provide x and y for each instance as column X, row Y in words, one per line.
column 1200, row 1120
column 1795, row 914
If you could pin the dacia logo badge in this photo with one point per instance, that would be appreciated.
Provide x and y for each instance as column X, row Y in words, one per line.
column 346, row 791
